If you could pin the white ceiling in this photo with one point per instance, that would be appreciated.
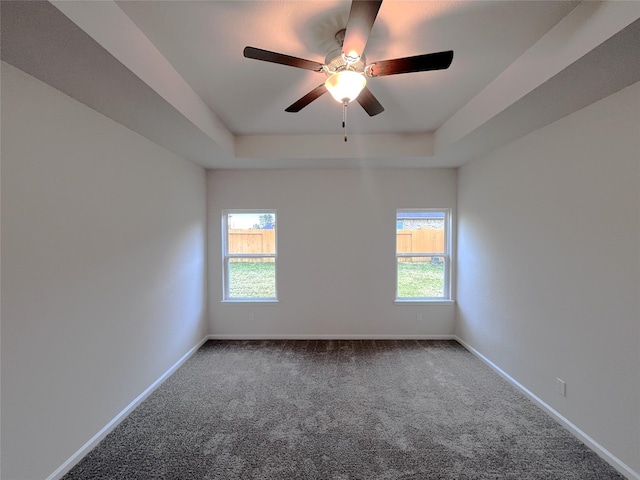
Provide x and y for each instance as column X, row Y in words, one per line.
column 174, row 71
column 204, row 42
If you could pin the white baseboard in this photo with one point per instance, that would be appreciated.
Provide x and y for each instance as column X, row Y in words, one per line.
column 97, row 438
column 311, row 336
column 583, row 437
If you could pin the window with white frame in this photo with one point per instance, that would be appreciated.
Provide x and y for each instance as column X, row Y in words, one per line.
column 423, row 255
column 249, row 250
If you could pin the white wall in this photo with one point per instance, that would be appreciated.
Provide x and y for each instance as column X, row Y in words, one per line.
column 336, row 263
column 103, row 271
column 549, row 266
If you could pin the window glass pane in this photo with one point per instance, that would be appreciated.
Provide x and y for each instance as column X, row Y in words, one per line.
column 252, row 278
column 421, row 277
column 422, row 252
column 422, row 232
column 252, row 233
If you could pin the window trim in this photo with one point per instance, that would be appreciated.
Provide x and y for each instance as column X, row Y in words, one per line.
column 226, row 256
column 447, row 297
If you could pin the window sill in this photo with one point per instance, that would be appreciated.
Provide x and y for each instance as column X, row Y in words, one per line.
column 424, row 302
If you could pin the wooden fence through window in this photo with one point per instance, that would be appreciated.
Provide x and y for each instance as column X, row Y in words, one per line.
column 422, row 240
column 256, row 241
column 253, row 241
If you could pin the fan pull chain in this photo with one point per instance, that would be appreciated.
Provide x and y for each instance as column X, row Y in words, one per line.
column 344, row 117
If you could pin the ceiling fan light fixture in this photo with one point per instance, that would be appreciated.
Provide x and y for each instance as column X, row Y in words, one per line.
column 345, row 85
column 346, row 67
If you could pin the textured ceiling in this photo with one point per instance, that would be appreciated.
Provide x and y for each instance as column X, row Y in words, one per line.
column 174, row 71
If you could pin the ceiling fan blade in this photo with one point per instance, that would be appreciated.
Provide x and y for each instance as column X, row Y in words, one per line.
column 273, row 57
column 370, row 103
column 361, row 17
column 419, row 63
column 307, row 99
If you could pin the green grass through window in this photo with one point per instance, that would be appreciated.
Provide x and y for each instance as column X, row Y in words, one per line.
column 420, row 280
column 252, row 280
column 258, row 280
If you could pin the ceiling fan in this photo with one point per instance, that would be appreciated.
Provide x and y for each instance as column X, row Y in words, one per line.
column 346, row 67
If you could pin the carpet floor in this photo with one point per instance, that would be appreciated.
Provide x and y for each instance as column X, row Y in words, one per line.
column 338, row 410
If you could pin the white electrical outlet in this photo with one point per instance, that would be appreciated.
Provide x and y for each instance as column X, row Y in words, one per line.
column 561, row 387
column 251, row 317
column 419, row 317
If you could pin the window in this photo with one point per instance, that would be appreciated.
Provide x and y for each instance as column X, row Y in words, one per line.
column 249, row 255
column 423, row 245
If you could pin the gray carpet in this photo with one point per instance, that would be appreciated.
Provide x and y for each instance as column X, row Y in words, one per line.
column 338, row 410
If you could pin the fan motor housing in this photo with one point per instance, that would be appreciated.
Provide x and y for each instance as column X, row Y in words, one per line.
column 335, row 62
